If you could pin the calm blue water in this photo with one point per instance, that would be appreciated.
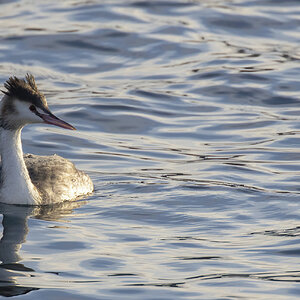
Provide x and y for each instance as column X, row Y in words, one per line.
column 188, row 122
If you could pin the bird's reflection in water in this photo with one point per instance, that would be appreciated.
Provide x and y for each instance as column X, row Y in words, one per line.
column 15, row 230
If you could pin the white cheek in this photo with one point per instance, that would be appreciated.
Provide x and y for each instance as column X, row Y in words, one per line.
column 25, row 114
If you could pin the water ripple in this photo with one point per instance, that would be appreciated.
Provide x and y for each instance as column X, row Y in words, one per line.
column 188, row 122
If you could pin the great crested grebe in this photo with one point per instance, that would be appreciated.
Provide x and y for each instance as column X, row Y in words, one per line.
column 33, row 179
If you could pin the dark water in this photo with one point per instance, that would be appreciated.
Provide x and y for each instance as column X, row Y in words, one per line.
column 188, row 122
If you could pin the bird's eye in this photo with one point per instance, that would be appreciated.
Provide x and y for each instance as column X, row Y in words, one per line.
column 32, row 108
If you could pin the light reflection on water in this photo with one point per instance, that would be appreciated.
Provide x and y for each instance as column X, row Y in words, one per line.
column 187, row 116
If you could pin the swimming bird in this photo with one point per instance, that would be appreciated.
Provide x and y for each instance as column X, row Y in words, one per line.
column 32, row 179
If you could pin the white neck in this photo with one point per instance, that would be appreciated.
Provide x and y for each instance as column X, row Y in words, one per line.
column 16, row 186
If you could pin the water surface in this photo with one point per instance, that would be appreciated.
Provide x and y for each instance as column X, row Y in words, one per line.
column 188, row 123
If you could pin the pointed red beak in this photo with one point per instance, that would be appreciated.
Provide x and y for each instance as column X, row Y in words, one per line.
column 53, row 120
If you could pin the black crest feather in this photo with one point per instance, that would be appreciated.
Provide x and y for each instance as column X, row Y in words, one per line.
column 24, row 90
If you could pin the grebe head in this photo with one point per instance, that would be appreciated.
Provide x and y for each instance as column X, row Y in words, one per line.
column 23, row 104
